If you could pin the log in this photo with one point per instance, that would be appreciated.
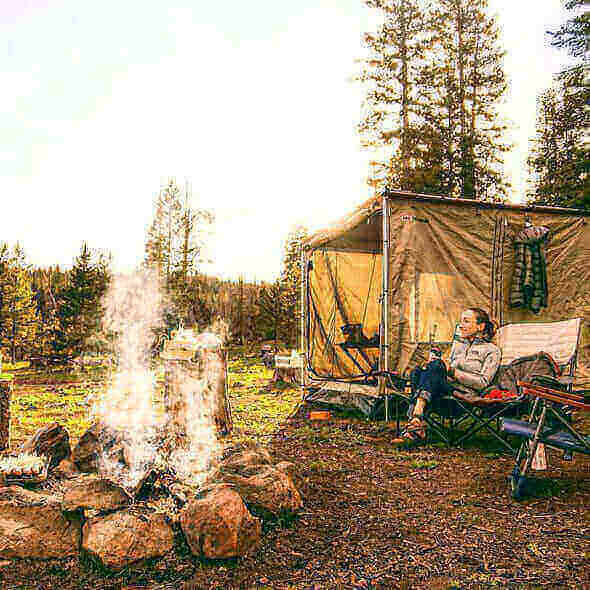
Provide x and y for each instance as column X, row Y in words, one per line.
column 52, row 441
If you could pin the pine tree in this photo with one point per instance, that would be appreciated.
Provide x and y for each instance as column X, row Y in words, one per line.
column 389, row 72
column 290, row 281
column 435, row 79
column 163, row 234
column 270, row 312
column 559, row 157
column 465, row 82
column 80, row 303
column 19, row 318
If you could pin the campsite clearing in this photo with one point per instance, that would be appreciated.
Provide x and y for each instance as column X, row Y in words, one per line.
column 374, row 517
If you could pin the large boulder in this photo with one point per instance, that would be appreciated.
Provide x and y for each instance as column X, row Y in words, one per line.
column 93, row 493
column 218, row 525
column 269, row 492
column 52, row 441
column 32, row 525
column 125, row 537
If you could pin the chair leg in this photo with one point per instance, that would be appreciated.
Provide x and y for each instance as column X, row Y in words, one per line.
column 529, row 450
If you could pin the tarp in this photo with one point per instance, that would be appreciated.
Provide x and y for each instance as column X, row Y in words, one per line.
column 444, row 255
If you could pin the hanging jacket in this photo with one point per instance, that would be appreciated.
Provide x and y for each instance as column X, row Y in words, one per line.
column 529, row 282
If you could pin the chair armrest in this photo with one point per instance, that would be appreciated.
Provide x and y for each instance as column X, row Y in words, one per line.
column 553, row 382
column 562, row 397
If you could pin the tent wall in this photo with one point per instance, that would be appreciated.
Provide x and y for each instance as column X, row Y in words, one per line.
column 344, row 288
column 446, row 256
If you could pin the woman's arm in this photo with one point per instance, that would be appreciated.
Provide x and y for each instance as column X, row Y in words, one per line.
column 480, row 380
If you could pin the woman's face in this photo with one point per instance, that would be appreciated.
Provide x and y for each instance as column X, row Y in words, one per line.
column 468, row 325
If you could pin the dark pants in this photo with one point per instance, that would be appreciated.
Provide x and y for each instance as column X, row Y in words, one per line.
column 429, row 383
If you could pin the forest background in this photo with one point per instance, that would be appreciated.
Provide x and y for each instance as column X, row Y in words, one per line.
column 433, row 81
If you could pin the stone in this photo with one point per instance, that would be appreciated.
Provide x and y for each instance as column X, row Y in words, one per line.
column 122, row 538
column 93, row 493
column 32, row 525
column 217, row 524
column 246, row 462
column 66, row 470
column 52, row 441
column 268, row 492
column 99, row 439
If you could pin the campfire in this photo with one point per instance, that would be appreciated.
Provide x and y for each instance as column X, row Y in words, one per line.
column 145, row 470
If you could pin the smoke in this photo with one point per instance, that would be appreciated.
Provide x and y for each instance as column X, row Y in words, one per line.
column 134, row 310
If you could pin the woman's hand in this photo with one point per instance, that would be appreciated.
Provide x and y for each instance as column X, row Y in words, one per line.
column 451, row 372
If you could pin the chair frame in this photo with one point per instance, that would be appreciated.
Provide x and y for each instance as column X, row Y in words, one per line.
column 547, row 403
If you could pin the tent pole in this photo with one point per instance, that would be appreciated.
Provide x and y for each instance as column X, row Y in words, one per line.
column 383, row 354
column 302, row 321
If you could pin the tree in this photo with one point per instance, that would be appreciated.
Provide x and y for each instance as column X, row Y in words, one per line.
column 460, row 89
column 559, row 156
column 18, row 313
column 435, row 79
column 174, row 248
column 270, row 315
column 163, row 234
column 290, row 282
column 80, row 303
column 389, row 73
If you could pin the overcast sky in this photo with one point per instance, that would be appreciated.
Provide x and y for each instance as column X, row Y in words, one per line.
column 252, row 101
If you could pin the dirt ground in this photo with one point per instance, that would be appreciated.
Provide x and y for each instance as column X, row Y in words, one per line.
column 376, row 517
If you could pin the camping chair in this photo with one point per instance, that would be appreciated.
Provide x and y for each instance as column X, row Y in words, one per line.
column 559, row 340
column 548, row 425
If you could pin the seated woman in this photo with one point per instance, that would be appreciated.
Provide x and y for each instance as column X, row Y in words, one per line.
column 473, row 364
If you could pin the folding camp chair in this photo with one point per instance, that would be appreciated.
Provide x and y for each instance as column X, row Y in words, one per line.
column 447, row 415
column 558, row 340
column 548, row 424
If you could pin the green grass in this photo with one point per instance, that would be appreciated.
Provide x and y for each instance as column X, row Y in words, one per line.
column 39, row 397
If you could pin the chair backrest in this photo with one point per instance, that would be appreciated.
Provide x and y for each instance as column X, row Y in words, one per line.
column 559, row 339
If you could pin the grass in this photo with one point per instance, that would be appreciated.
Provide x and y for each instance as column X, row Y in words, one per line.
column 64, row 396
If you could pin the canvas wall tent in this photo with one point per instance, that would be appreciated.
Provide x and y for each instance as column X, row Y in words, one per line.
column 407, row 291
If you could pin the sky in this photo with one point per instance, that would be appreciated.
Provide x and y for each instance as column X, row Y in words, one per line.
column 251, row 101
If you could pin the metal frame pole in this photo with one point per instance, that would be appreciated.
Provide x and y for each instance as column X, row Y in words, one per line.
column 384, row 353
column 302, row 320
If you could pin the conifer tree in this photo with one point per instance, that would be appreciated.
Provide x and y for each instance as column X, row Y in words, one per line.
column 389, row 73
column 434, row 81
column 559, row 156
column 19, row 318
column 290, row 281
column 80, row 303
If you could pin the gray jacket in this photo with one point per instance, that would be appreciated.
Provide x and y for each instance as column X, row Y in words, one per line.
column 475, row 362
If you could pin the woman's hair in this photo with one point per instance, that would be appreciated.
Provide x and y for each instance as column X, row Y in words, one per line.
column 482, row 317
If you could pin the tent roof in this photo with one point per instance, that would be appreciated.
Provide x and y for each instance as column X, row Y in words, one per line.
column 361, row 230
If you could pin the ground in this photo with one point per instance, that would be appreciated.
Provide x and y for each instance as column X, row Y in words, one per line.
column 374, row 516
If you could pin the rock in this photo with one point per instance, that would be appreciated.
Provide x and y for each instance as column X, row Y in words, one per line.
column 218, row 525
column 269, row 492
column 125, row 537
column 246, row 463
column 246, row 447
column 32, row 525
column 52, row 441
column 66, row 470
column 93, row 493
column 99, row 439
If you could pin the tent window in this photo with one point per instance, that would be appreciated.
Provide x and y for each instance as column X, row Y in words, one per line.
column 435, row 307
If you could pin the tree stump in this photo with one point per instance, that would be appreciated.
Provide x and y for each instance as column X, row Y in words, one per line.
column 5, row 390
